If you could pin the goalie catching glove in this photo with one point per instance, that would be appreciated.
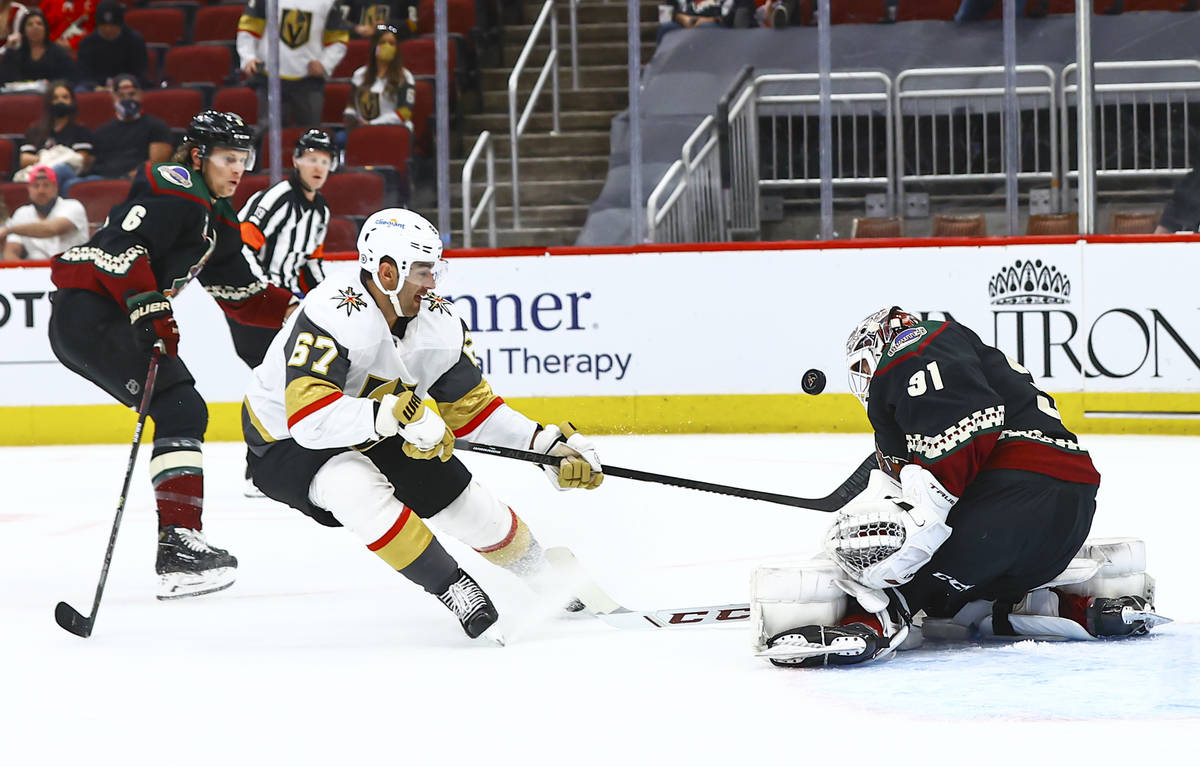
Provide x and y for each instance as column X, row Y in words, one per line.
column 580, row 465
column 883, row 543
column 417, row 421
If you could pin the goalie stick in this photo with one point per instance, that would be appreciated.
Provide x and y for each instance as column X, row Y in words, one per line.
column 604, row 607
column 852, row 486
column 65, row 615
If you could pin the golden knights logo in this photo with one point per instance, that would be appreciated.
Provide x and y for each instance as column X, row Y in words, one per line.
column 349, row 300
column 436, row 303
column 295, row 28
column 368, row 104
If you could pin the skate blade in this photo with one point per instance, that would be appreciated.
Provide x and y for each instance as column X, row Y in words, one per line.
column 800, row 650
column 184, row 585
column 1130, row 615
column 493, row 635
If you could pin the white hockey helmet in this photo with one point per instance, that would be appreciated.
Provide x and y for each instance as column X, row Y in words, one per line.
column 403, row 236
column 867, row 343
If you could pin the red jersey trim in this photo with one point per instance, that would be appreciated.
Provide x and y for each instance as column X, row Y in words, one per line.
column 392, row 532
column 1027, row 455
column 474, row 423
column 309, row 409
column 512, row 533
column 920, row 348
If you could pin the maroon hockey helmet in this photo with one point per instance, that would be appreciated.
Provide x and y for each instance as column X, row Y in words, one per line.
column 866, row 345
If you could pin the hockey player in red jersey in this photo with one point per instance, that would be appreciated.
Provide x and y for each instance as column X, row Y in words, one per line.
column 988, row 498
column 351, row 419
column 176, row 224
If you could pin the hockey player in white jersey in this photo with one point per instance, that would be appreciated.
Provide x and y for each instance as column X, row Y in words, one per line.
column 351, row 419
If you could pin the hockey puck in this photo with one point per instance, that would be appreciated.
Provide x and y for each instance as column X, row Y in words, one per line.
column 813, row 382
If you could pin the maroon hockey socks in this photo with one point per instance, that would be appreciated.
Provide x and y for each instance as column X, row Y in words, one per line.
column 177, row 474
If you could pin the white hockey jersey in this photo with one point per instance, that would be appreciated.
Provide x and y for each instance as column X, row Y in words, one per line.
column 336, row 357
column 309, row 30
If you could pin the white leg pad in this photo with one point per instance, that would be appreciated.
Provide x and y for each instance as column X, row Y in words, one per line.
column 804, row 594
column 1121, row 571
column 351, row 488
column 476, row 517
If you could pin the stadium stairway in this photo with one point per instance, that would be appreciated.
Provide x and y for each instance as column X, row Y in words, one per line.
column 560, row 176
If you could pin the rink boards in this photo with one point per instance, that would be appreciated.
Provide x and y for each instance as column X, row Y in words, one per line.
column 716, row 338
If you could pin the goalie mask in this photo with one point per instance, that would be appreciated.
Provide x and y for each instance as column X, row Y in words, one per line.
column 867, row 344
column 409, row 241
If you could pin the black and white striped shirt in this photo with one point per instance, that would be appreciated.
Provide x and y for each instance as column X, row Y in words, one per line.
column 284, row 235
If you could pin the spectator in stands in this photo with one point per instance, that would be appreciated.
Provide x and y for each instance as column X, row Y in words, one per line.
column 710, row 14
column 57, row 140
column 974, row 10
column 384, row 91
column 123, row 144
column 70, row 21
column 1182, row 212
column 313, row 42
column 112, row 49
column 36, row 59
column 11, row 15
column 364, row 16
column 48, row 225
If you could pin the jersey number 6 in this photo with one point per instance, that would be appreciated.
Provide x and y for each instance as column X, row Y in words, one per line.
column 305, row 343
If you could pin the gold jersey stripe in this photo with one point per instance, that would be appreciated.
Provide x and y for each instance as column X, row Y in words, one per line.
column 305, row 391
column 406, row 541
column 252, row 25
column 263, row 434
column 513, row 547
column 462, row 411
column 332, row 36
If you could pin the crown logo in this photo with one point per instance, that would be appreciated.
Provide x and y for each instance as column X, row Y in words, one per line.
column 1029, row 282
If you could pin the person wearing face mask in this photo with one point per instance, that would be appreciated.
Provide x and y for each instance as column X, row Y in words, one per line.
column 57, row 140
column 112, row 49
column 384, row 91
column 125, row 143
column 37, row 58
column 113, row 311
column 48, row 225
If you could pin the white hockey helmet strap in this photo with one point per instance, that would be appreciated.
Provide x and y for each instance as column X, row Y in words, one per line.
column 866, row 345
column 403, row 236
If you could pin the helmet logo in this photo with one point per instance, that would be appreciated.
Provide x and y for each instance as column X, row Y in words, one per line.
column 176, row 175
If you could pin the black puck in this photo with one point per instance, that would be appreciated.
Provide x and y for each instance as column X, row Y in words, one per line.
column 813, row 382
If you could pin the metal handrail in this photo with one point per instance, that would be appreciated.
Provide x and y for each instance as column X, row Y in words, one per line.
column 1118, row 88
column 656, row 213
column 695, row 196
column 488, row 198
column 549, row 69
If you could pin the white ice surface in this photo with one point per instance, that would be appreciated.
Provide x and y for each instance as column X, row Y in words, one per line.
column 320, row 655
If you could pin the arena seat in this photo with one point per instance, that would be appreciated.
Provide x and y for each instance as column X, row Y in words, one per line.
column 342, row 235
column 1053, row 223
column 337, row 95
column 248, row 186
column 158, row 25
column 216, row 23
column 356, row 56
column 422, row 110
column 99, row 197
column 176, row 106
column 8, row 158
column 1135, row 222
column 386, row 145
column 287, row 144
column 15, row 194
column 18, row 111
column 242, row 101
column 95, row 108
column 354, row 194
column 973, row 225
column 866, row 228
column 198, row 64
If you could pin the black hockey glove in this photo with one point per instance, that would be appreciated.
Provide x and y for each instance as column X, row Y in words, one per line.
column 152, row 322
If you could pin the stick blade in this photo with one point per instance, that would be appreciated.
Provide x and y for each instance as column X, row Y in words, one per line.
column 70, row 619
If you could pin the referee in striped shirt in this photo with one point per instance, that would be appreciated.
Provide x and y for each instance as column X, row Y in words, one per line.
column 283, row 233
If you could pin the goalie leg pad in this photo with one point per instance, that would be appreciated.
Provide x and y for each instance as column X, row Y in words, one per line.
column 1121, row 572
column 797, row 595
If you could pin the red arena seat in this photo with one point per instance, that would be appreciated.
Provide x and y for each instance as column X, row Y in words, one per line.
column 176, row 106
column 95, row 108
column 387, row 145
column 99, row 197
column 354, row 194
column 342, row 235
column 216, row 23
column 158, row 25
column 198, row 64
column 240, row 101
column 248, row 186
column 356, row 56
column 18, row 111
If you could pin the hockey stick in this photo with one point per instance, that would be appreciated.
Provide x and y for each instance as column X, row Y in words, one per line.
column 852, row 486
column 66, row 616
column 604, row 607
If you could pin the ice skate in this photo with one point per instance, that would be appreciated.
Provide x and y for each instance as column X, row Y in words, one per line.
column 188, row 566
column 472, row 607
column 1115, row 617
column 810, row 646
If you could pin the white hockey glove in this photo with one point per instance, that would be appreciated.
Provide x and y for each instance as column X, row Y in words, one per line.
column 418, row 423
column 884, row 543
column 580, row 465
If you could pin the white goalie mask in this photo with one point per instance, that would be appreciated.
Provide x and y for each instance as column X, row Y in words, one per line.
column 406, row 238
column 867, row 344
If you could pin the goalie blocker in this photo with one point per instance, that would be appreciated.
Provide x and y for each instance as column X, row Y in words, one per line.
column 811, row 614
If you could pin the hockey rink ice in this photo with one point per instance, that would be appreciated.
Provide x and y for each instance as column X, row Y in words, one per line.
column 319, row 654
